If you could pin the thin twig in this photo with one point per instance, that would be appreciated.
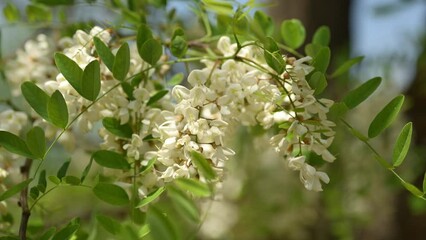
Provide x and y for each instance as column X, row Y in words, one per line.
column 23, row 202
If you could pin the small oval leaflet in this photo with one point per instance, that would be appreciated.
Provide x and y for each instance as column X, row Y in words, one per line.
column 385, row 117
column 111, row 193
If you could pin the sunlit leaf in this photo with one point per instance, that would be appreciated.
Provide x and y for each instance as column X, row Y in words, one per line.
column 385, row 117
column 203, row 165
column 193, row 186
column 176, row 79
column 57, row 110
column 220, row 7
column 121, row 62
column 318, row 82
column 15, row 144
column 66, row 232
column 361, row 93
column 11, row 12
column 346, row 66
column 36, row 142
column 111, row 193
column 15, row 189
column 38, row 12
column 322, row 36
column 402, row 144
column 71, row 180
column 293, row 33
column 273, row 56
column 151, row 197
column 36, row 97
column 322, row 59
column 111, row 159
column 91, row 81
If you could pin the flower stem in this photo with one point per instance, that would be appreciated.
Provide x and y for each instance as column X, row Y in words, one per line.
column 23, row 201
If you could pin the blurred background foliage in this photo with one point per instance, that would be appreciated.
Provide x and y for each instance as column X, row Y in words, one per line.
column 262, row 199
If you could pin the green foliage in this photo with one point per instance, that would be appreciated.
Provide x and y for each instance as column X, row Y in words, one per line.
column 38, row 13
column 151, row 197
column 195, row 187
column 113, row 126
column 176, row 79
column 322, row 59
column 293, row 33
column 156, row 97
column 346, row 66
column 104, row 53
column 262, row 25
column 111, row 159
column 318, row 82
column 15, row 189
column 402, row 144
column 11, row 12
column 273, row 56
column 109, row 224
column 14, row 144
column 160, row 225
column 183, row 204
column 220, row 7
column 42, row 183
column 62, row 170
column 36, row 97
column 121, row 64
column 111, row 193
column 71, row 71
column 361, row 93
column 179, row 46
column 36, row 142
column 91, row 81
column 66, row 232
column 203, row 165
column 322, row 36
column 57, row 110
column 151, row 51
column 385, row 117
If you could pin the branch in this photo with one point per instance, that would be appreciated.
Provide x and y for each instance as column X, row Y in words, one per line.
column 23, row 202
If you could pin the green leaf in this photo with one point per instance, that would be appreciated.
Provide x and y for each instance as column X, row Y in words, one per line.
column 91, row 81
column 86, row 170
column 322, row 36
column 11, row 12
column 424, row 184
column 15, row 189
column 37, row 12
column 48, row 234
column 176, row 79
column 184, row 204
column 109, row 224
column 54, row 179
column 318, row 82
column 111, row 159
column 361, row 93
column 71, row 180
column 36, row 97
column 220, row 7
column 193, row 186
column 312, row 49
column 63, row 170
column 402, row 144
column 54, row 2
column 322, row 59
column 151, row 51
column 151, row 197
column 42, row 183
column 346, row 66
column 71, row 71
column 161, row 227
column 293, row 33
column 15, row 144
column 104, row 53
column 144, row 34
column 148, row 167
column 262, row 25
column 159, row 95
column 111, row 194
column 67, row 232
column 385, row 117
column 34, row 192
column 413, row 189
column 143, row 231
column 121, row 62
column 178, row 46
column 113, row 126
column 273, row 56
column 203, row 165
column 36, row 142
column 57, row 110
